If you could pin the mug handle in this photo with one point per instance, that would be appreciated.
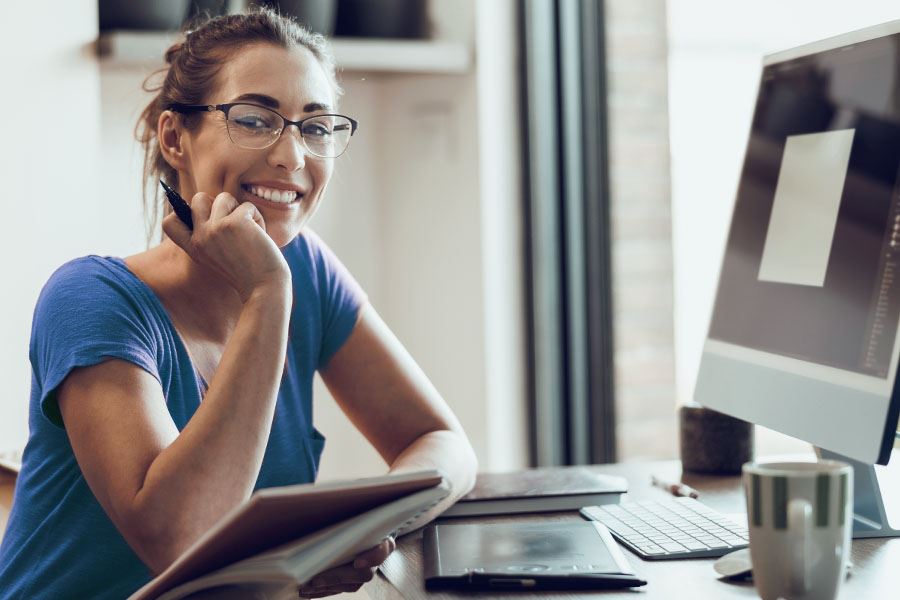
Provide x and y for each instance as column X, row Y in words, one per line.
column 799, row 539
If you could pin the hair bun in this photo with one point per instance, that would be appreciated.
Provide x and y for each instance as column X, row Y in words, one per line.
column 173, row 51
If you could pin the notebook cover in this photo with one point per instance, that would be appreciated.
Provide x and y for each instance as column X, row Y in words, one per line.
column 276, row 516
column 553, row 481
column 538, row 490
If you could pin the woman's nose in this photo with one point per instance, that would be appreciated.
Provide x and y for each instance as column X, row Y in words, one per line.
column 289, row 152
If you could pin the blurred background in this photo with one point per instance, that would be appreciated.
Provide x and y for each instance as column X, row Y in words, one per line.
column 536, row 201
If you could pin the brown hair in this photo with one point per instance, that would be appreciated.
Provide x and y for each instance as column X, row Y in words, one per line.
column 189, row 78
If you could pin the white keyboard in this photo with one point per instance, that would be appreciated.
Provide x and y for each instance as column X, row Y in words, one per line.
column 675, row 528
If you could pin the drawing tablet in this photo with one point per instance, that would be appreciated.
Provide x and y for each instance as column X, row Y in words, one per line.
column 552, row 555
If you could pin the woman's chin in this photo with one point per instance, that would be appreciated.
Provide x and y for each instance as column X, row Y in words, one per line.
column 284, row 233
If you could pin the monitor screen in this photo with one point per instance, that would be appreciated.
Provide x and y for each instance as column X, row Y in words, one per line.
column 809, row 292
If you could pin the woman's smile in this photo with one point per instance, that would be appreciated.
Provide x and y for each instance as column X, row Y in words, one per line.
column 281, row 196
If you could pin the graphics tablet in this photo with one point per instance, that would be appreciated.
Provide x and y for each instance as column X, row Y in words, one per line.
column 540, row 556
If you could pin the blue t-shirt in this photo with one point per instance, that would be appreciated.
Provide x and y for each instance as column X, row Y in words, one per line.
column 59, row 542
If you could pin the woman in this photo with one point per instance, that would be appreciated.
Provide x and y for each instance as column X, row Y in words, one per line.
column 169, row 385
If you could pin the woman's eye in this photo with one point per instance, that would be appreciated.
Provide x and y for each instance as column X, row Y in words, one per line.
column 251, row 122
column 316, row 130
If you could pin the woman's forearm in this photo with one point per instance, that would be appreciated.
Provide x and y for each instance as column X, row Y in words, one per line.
column 213, row 464
column 447, row 451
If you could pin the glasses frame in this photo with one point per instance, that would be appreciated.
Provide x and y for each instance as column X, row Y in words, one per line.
column 225, row 108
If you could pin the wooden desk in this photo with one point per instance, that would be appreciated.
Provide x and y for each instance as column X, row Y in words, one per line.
column 875, row 573
column 7, row 486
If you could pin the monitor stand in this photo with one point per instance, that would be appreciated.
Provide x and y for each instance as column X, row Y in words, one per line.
column 871, row 517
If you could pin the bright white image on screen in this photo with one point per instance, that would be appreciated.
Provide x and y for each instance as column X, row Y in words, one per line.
column 805, row 211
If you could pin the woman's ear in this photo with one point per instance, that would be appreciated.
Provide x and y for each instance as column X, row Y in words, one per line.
column 172, row 141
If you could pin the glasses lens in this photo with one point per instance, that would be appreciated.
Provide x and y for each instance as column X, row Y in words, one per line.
column 252, row 126
column 327, row 136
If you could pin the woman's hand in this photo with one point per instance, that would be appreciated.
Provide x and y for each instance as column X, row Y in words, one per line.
column 231, row 239
column 349, row 577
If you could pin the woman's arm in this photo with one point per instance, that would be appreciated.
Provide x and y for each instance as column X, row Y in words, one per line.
column 163, row 489
column 391, row 401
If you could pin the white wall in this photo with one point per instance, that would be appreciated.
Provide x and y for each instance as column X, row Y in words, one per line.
column 423, row 209
column 443, row 181
column 716, row 51
column 50, row 171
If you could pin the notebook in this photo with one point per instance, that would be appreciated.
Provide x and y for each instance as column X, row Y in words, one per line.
column 281, row 537
column 538, row 490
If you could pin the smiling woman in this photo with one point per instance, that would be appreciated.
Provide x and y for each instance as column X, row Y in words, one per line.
column 171, row 384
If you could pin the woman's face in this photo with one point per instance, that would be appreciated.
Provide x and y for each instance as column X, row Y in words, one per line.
column 291, row 82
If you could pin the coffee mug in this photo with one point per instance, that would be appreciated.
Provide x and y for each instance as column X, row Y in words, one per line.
column 800, row 516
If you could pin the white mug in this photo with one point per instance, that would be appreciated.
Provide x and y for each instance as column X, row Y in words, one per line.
column 800, row 516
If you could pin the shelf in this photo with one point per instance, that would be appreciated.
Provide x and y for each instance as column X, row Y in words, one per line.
column 402, row 56
column 146, row 49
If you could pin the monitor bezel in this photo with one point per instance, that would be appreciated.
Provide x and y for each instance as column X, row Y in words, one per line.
column 838, row 41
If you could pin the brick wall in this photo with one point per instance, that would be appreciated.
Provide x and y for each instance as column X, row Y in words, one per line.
column 642, row 228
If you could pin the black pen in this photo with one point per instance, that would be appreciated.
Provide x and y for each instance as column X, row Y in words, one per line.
column 181, row 208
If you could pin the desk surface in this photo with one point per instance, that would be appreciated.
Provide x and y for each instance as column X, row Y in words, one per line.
column 7, row 485
column 874, row 574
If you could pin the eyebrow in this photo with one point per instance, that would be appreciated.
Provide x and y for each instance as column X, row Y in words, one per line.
column 270, row 102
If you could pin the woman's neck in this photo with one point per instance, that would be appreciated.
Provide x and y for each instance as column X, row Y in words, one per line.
column 197, row 299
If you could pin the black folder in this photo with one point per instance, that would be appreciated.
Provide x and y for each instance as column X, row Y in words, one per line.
column 524, row 556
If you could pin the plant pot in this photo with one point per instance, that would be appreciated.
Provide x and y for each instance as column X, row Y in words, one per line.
column 712, row 442
column 383, row 18
column 157, row 15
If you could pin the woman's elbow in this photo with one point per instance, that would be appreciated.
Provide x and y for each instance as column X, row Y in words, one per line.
column 157, row 539
column 468, row 468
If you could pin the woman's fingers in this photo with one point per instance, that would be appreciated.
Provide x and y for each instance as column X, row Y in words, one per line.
column 349, row 578
column 201, row 205
column 377, row 555
column 225, row 240
column 320, row 592
column 340, row 576
column 248, row 210
column 344, row 578
column 223, row 205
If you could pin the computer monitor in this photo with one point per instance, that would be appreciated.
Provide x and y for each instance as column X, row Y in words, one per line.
column 805, row 330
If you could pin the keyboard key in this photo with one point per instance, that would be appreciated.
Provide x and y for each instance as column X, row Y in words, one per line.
column 733, row 541
column 672, row 547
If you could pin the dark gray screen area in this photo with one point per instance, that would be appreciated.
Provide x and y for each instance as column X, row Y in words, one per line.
column 524, row 548
column 850, row 320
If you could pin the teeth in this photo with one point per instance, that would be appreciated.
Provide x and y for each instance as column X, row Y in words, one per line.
column 273, row 195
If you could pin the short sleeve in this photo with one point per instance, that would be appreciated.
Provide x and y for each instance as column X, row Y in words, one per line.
column 85, row 314
column 340, row 295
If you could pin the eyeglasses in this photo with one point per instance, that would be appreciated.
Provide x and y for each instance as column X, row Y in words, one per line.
column 254, row 127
